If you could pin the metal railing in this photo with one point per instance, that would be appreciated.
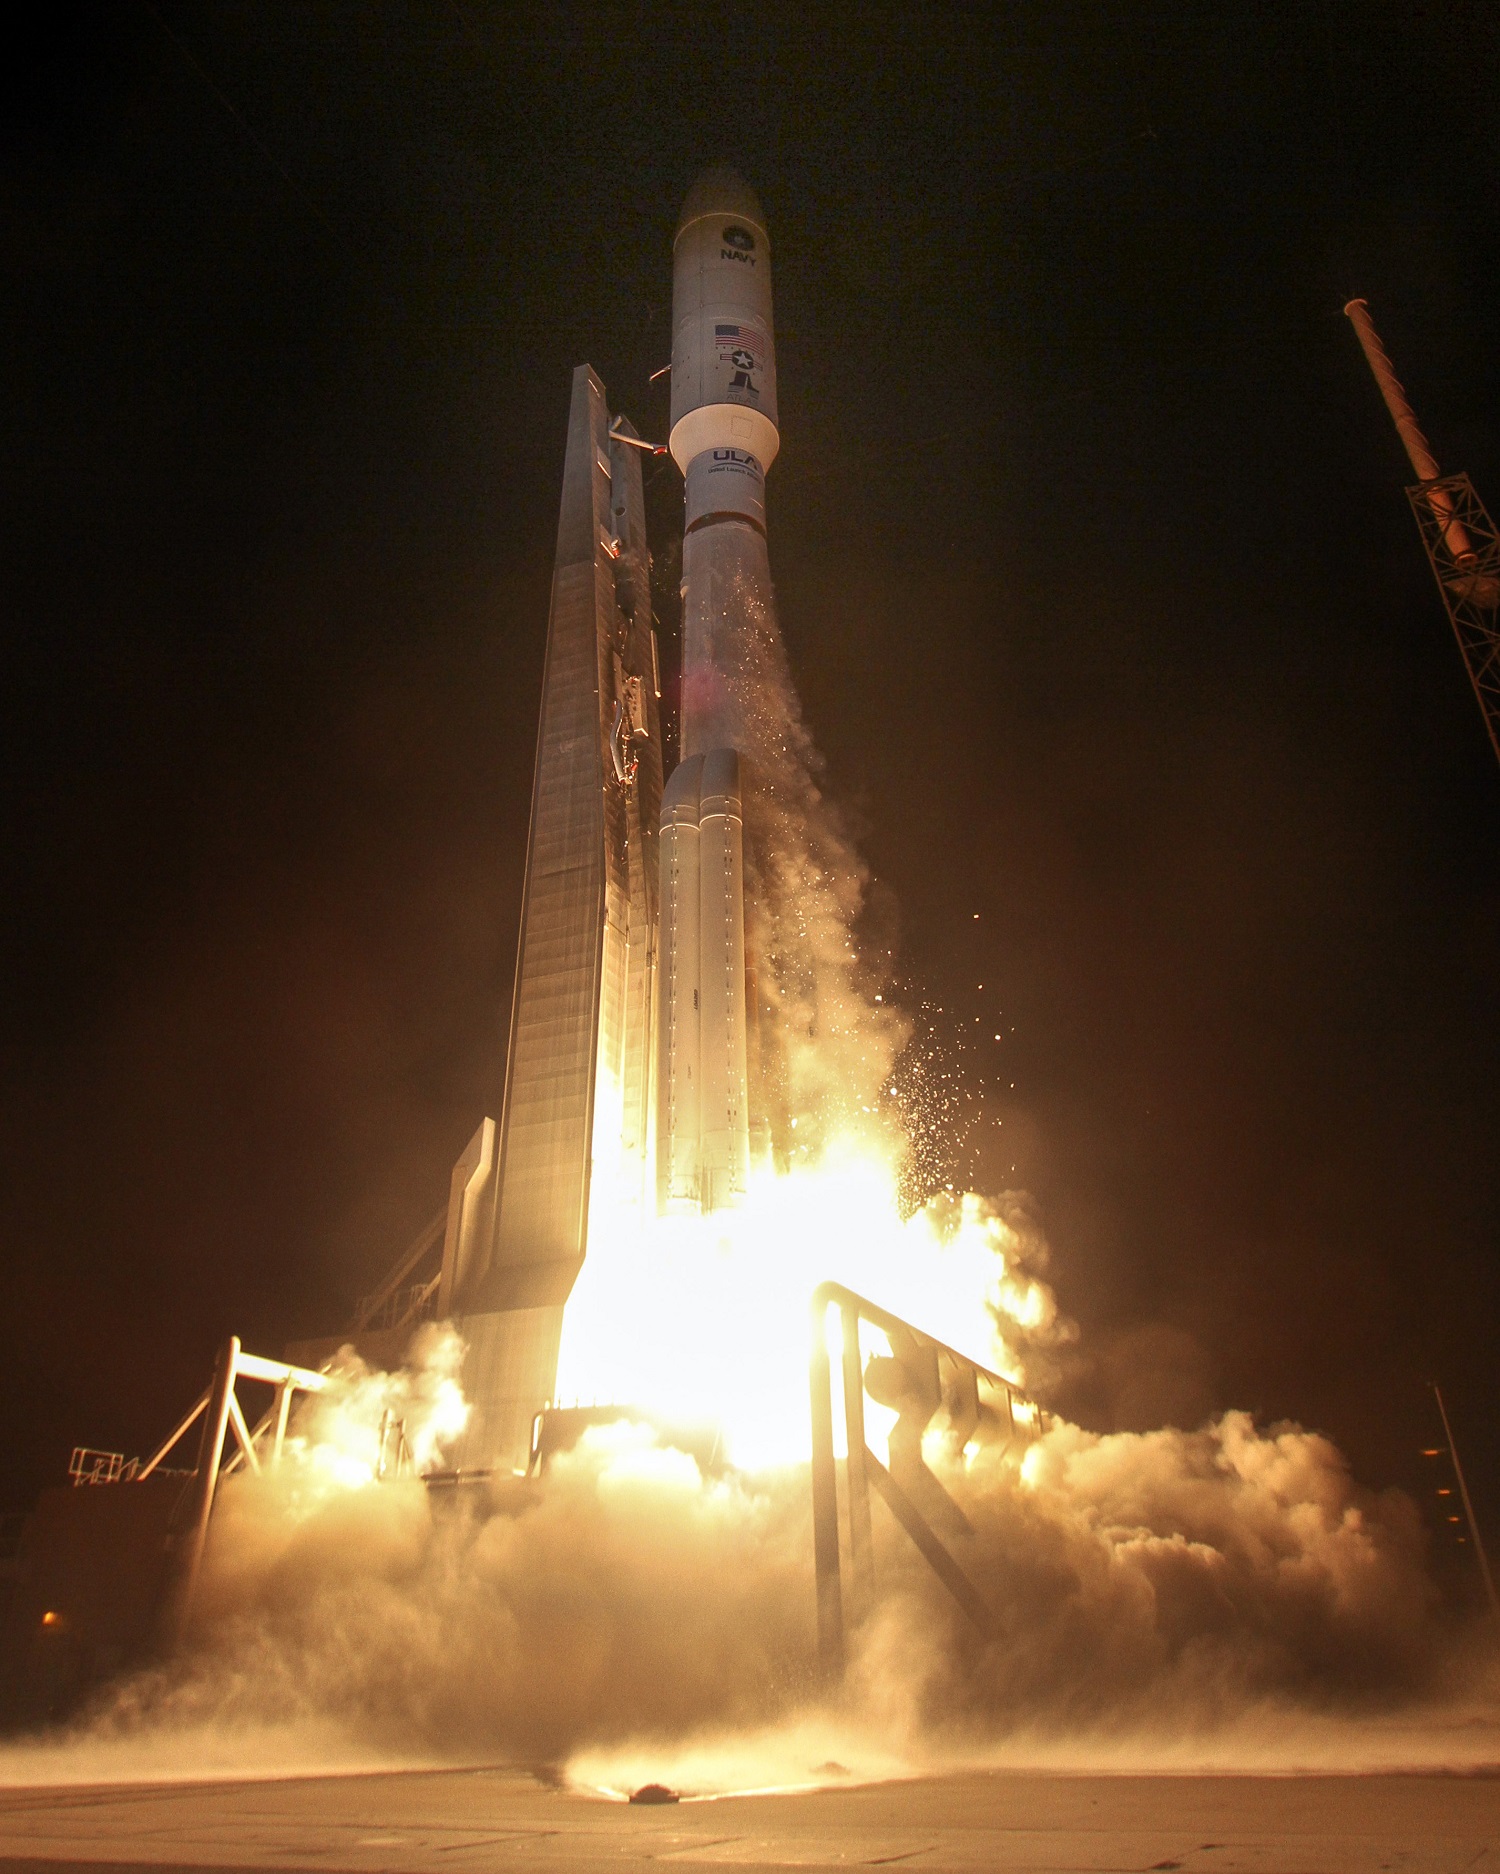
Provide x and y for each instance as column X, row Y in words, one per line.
column 401, row 1307
column 399, row 1299
column 87, row 1466
column 934, row 1391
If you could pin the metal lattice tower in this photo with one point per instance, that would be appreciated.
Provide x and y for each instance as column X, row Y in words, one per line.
column 1468, row 579
column 1462, row 546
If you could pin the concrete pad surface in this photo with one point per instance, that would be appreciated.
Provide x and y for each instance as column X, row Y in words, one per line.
column 1004, row 1821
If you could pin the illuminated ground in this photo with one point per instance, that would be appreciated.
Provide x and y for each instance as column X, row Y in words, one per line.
column 1005, row 1821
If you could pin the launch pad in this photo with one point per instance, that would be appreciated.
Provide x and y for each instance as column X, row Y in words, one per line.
column 993, row 1821
column 78, row 1616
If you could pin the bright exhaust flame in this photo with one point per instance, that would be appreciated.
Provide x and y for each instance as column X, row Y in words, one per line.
column 705, row 1320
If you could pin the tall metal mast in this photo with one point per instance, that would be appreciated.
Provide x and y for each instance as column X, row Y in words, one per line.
column 1458, row 535
column 1463, row 1491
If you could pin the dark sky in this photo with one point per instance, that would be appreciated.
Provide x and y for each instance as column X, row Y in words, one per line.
column 1098, row 579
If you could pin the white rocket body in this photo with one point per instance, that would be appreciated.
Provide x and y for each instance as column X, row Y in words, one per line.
column 703, row 1130
column 723, row 350
column 723, row 438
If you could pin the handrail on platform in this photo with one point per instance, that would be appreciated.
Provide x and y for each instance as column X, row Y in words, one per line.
column 921, row 1379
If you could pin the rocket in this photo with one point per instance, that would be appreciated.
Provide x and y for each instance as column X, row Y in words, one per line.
column 723, row 438
column 630, row 1078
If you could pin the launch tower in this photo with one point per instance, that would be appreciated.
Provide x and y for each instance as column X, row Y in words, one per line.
column 1459, row 537
column 575, row 1132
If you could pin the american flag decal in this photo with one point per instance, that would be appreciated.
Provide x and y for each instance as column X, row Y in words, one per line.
column 726, row 331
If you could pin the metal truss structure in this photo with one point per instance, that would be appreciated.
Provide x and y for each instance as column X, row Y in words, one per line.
column 88, row 1466
column 258, row 1448
column 219, row 1406
column 1464, row 553
column 1457, row 533
column 408, row 1293
column 936, row 1393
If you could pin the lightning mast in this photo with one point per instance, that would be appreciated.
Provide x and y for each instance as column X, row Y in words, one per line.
column 1458, row 535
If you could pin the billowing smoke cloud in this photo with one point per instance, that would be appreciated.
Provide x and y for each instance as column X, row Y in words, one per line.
column 827, row 1046
column 1168, row 1575
column 632, row 1605
column 628, row 1595
column 370, row 1424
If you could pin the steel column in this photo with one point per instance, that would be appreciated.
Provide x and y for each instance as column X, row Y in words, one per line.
column 856, row 1476
column 200, row 1503
column 825, row 1501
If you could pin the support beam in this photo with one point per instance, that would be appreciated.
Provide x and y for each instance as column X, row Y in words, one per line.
column 189, row 1544
column 278, row 1373
column 242, row 1433
column 977, row 1404
column 283, row 1411
column 856, row 1481
column 410, row 1260
column 1463, row 1490
column 825, row 1501
column 934, row 1554
column 184, row 1426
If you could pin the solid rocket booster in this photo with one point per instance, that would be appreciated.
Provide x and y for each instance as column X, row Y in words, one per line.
column 703, row 1141
column 723, row 438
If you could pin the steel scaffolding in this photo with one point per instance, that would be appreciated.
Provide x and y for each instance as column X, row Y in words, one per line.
column 1457, row 533
column 1464, row 553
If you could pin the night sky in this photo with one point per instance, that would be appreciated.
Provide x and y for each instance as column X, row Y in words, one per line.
column 1099, row 584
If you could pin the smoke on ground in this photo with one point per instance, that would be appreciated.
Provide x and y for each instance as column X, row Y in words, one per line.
column 1228, row 1594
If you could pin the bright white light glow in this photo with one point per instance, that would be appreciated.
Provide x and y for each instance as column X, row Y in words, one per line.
column 705, row 1320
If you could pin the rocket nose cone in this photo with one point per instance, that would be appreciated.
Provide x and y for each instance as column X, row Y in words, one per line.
column 722, row 191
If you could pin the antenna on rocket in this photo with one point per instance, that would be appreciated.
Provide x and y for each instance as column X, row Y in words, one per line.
column 1458, row 535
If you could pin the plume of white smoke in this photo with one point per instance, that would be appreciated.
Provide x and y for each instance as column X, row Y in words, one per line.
column 369, row 1422
column 1177, row 1596
column 1164, row 1579
column 1156, row 1585
column 629, row 1593
column 828, row 1046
